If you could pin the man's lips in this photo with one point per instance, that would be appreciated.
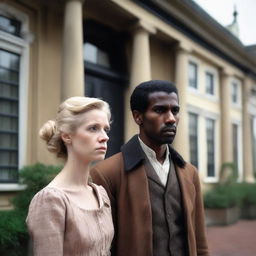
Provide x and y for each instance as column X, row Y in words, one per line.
column 171, row 131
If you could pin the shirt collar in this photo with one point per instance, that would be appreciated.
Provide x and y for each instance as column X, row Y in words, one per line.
column 151, row 153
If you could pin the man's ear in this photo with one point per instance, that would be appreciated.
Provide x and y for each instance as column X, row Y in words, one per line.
column 66, row 138
column 137, row 116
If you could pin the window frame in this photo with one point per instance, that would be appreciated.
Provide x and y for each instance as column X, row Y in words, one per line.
column 196, row 65
column 238, row 102
column 214, row 178
column 196, row 138
column 212, row 81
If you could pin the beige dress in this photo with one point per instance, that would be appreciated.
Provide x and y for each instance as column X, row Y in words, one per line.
column 58, row 226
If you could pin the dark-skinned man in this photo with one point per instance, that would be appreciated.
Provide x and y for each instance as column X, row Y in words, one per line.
column 155, row 195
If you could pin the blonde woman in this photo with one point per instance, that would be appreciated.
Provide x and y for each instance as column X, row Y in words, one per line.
column 72, row 216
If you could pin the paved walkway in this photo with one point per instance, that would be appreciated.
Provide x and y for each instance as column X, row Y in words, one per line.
column 238, row 239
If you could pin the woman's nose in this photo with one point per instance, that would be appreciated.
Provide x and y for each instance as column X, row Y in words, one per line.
column 104, row 136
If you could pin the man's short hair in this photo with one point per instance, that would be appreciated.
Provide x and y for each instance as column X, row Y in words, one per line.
column 140, row 95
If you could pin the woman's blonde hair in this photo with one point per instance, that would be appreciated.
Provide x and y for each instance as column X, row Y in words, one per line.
column 67, row 120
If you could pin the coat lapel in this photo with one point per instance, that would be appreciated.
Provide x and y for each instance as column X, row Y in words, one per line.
column 187, row 189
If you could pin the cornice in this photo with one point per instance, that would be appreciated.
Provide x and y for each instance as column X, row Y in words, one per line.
column 190, row 19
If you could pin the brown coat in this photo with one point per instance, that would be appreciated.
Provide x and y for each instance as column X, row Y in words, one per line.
column 124, row 177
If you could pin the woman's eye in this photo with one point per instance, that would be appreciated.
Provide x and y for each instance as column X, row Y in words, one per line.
column 93, row 128
column 107, row 130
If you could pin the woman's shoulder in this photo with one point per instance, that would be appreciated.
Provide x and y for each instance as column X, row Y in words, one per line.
column 48, row 195
column 103, row 193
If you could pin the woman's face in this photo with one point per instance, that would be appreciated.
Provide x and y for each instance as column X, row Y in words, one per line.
column 89, row 142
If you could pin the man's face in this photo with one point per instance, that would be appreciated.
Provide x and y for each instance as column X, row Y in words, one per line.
column 158, row 124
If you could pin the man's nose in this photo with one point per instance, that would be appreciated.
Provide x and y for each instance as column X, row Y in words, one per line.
column 170, row 117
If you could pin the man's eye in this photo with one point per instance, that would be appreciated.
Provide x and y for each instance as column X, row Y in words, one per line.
column 159, row 110
column 175, row 111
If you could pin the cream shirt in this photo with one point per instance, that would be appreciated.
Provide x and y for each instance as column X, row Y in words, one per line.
column 162, row 170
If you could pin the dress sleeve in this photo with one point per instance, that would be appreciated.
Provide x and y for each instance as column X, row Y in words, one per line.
column 46, row 222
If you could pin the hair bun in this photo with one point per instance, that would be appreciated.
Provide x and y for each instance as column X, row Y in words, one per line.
column 48, row 130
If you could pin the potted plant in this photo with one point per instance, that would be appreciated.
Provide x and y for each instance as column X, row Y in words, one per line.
column 222, row 201
column 221, row 205
column 248, row 204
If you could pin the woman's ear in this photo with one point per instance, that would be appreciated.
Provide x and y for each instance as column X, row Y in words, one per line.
column 66, row 138
column 137, row 116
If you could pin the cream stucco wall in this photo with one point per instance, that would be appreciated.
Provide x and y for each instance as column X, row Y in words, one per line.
column 165, row 45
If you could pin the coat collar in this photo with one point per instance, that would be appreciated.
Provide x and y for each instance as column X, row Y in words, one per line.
column 134, row 155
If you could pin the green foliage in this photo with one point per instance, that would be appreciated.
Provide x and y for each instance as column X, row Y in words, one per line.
column 228, row 173
column 13, row 232
column 249, row 194
column 226, row 193
column 222, row 196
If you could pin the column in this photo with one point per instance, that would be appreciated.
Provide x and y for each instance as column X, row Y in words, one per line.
column 72, row 62
column 181, row 142
column 226, row 126
column 140, row 69
column 247, row 134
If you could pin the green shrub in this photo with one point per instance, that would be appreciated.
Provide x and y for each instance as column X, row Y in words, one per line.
column 13, row 232
column 249, row 194
column 227, row 193
column 222, row 196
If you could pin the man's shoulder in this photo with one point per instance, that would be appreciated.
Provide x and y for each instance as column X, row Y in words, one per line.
column 112, row 162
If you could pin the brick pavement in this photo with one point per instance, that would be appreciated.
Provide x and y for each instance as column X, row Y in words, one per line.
column 238, row 239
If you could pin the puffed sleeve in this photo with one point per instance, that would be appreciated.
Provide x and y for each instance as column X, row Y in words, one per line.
column 46, row 222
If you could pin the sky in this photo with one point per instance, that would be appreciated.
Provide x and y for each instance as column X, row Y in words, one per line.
column 222, row 11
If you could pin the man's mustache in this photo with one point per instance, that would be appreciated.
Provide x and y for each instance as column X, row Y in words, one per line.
column 169, row 128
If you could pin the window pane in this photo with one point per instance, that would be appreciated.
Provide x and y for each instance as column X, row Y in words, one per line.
column 9, row 91
column 8, row 141
column 210, row 147
column 209, row 83
column 192, row 75
column 8, row 107
column 8, row 174
column 96, row 55
column 9, row 111
column 9, row 75
column 8, row 123
column 234, row 92
column 8, row 158
column 11, row 26
column 193, row 139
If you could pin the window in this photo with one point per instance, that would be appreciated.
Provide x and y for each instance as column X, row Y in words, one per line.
column 209, row 80
column 193, row 138
column 210, row 131
column 192, row 75
column 14, row 55
column 235, row 92
column 9, row 109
